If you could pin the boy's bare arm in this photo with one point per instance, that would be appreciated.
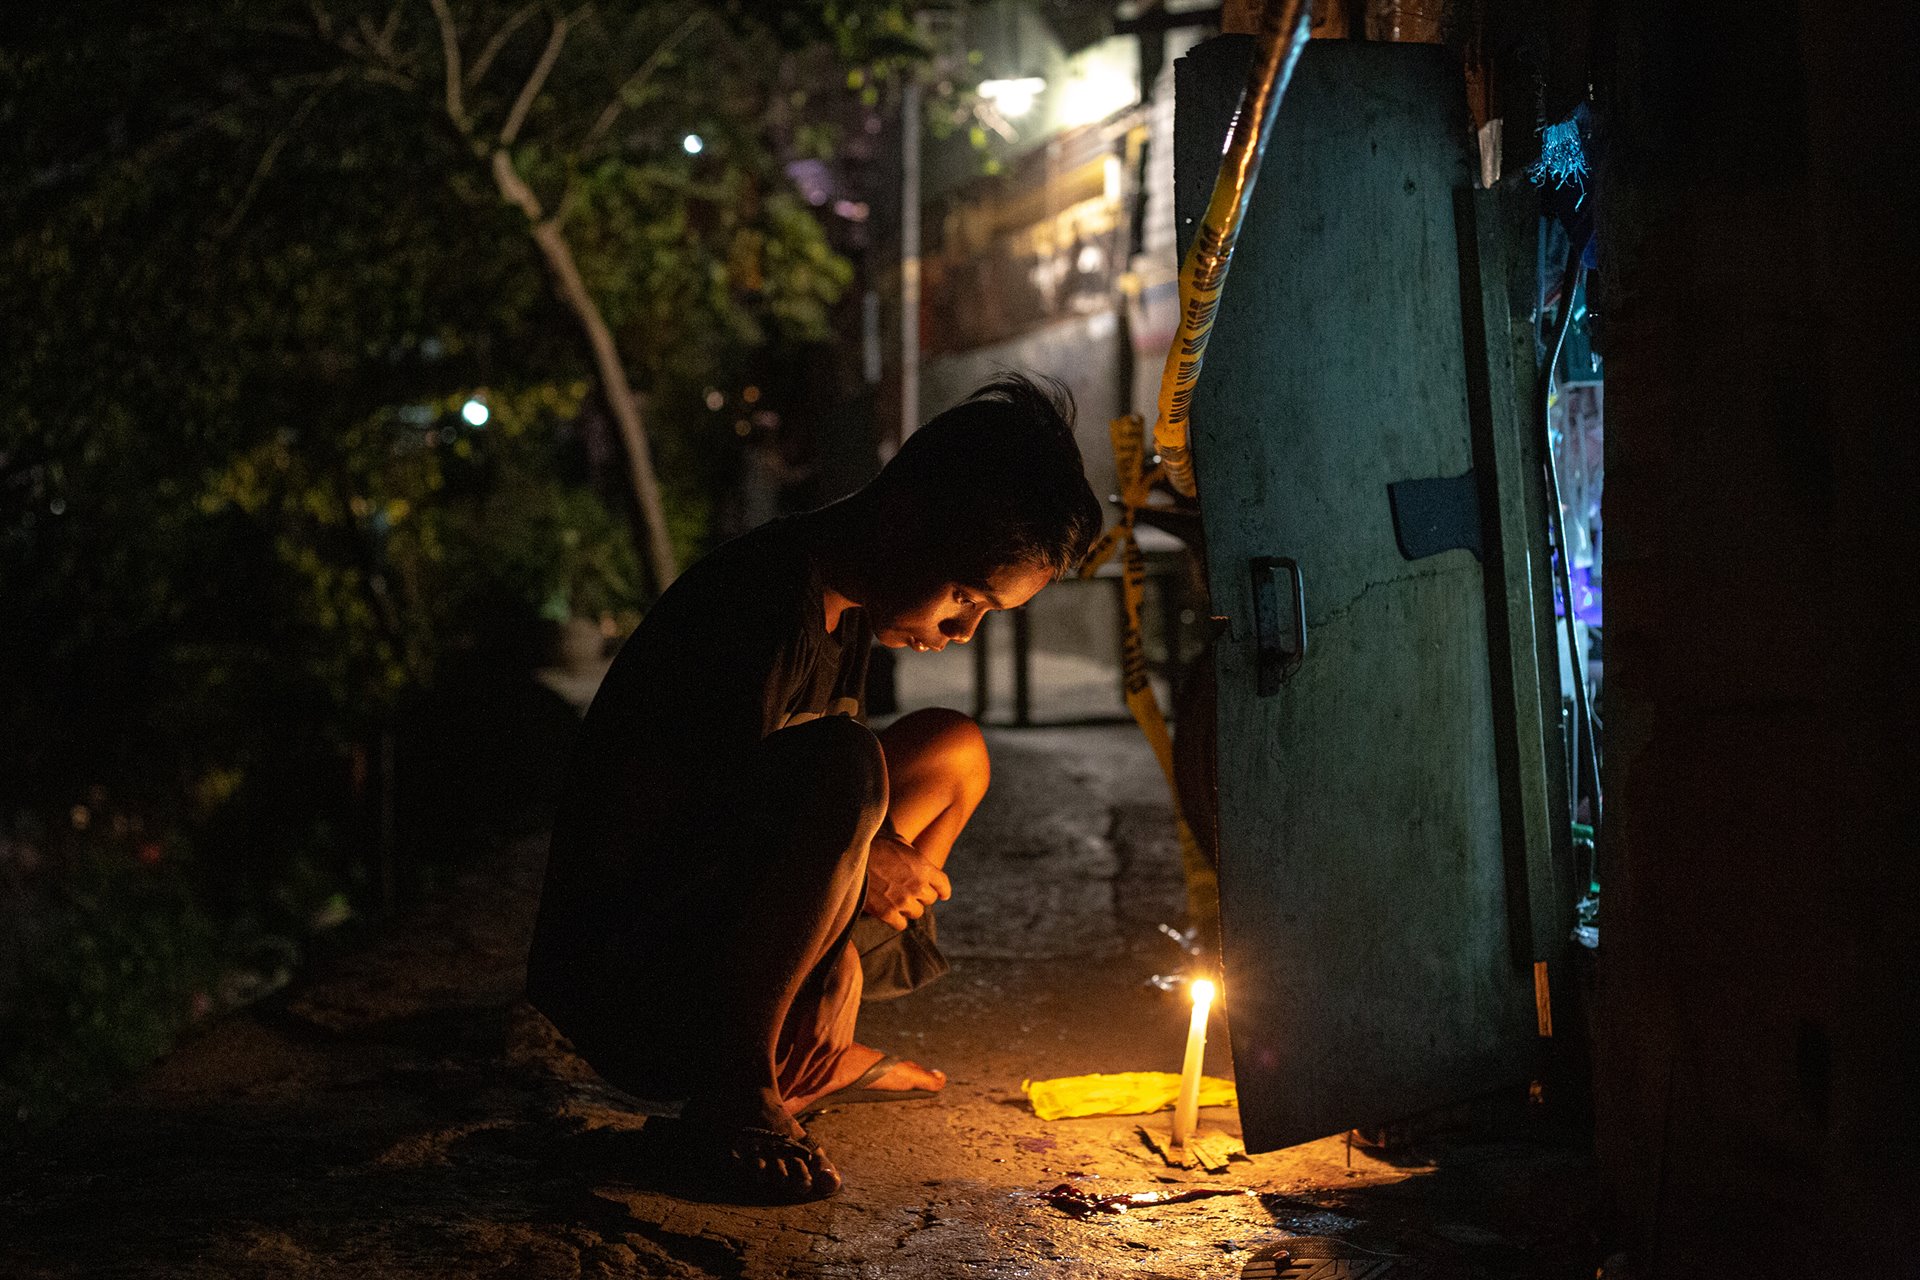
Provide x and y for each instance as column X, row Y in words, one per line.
column 901, row 884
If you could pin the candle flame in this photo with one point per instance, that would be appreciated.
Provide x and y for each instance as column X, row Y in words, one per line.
column 1202, row 991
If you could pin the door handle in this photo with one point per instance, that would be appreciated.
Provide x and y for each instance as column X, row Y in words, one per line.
column 1279, row 642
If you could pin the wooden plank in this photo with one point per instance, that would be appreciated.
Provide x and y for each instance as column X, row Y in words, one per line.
column 1540, row 905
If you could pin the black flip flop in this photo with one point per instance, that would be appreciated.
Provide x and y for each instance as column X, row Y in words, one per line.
column 716, row 1162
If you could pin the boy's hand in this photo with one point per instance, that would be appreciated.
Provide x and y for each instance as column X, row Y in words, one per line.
column 900, row 883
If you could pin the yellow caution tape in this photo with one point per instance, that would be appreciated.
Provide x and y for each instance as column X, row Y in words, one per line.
column 1203, row 274
column 1128, row 435
column 1121, row 1093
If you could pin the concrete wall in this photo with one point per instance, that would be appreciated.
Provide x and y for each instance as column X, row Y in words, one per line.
column 1759, row 1060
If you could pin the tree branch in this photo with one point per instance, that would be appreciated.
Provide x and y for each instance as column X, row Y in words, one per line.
column 515, row 188
column 381, row 75
column 373, row 50
column 450, row 53
column 656, row 541
column 535, row 82
column 274, row 148
column 322, row 20
column 481, row 64
column 380, row 39
column 640, row 77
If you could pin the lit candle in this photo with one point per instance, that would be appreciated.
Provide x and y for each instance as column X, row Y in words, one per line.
column 1186, row 1107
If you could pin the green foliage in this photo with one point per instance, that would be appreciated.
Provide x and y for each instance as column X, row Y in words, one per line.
column 414, row 526
column 253, row 268
column 511, row 535
column 251, row 241
column 111, row 956
column 760, row 267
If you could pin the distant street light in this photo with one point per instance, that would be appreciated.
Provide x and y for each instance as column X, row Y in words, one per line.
column 1013, row 98
column 693, row 144
column 476, row 413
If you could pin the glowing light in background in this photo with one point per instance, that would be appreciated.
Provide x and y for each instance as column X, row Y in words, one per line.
column 1013, row 98
column 1096, row 94
column 693, row 144
column 476, row 413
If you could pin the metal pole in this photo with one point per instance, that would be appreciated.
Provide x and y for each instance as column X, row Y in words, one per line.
column 982, row 686
column 1022, row 657
column 909, row 257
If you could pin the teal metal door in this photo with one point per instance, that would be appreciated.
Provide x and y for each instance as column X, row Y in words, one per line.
column 1377, row 941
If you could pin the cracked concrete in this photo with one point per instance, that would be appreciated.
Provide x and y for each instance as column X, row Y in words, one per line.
column 1340, row 612
column 403, row 1114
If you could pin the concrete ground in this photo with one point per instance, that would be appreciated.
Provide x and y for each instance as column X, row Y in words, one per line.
column 402, row 1113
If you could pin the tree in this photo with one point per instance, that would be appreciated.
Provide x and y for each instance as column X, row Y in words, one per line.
column 256, row 268
column 557, row 122
column 242, row 231
column 253, row 270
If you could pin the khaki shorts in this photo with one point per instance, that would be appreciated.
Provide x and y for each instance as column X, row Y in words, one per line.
column 894, row 962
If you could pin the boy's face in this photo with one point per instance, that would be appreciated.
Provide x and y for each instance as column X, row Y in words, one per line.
column 953, row 610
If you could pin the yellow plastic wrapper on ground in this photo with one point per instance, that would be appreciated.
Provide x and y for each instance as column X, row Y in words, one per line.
column 1120, row 1093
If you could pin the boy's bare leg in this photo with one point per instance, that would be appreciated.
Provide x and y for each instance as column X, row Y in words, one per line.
column 937, row 774
column 791, row 923
column 792, row 917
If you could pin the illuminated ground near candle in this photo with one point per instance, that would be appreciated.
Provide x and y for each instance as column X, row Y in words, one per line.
column 402, row 1116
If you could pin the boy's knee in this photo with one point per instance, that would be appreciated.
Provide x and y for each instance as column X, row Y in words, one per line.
column 834, row 769
column 955, row 740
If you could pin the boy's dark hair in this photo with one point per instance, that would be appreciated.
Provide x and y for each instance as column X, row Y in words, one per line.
column 994, row 482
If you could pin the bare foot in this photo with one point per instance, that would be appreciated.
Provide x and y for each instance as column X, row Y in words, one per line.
column 909, row 1075
column 902, row 1077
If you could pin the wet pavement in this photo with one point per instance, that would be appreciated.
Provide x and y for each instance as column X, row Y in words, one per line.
column 402, row 1113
